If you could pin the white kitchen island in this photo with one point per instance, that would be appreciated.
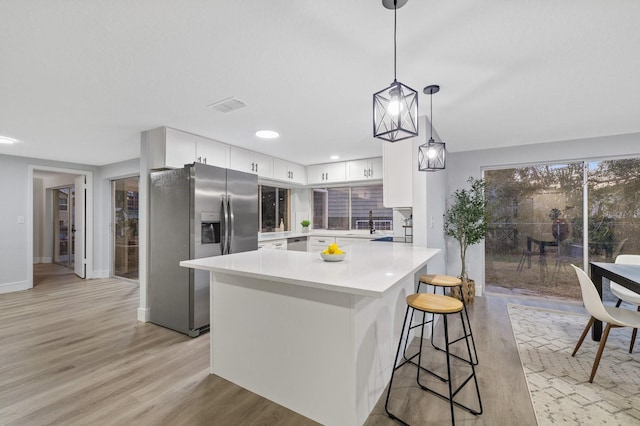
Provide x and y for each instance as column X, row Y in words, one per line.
column 316, row 337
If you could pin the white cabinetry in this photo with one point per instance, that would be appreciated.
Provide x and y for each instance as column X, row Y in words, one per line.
column 250, row 162
column 273, row 244
column 367, row 169
column 211, row 152
column 171, row 148
column 318, row 244
column 346, row 241
column 326, row 173
column 289, row 172
column 398, row 174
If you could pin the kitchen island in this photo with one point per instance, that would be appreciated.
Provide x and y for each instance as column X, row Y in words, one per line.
column 316, row 337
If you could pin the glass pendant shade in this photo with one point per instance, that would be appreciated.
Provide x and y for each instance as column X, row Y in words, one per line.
column 432, row 156
column 395, row 113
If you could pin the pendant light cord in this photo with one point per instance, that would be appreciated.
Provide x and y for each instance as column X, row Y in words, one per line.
column 395, row 4
column 431, row 108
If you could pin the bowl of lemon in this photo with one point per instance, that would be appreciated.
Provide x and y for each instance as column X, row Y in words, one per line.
column 333, row 253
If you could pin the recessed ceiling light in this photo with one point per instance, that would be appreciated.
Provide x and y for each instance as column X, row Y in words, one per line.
column 335, row 157
column 267, row 134
column 7, row 140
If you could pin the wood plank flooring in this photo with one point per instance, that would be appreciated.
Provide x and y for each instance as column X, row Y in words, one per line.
column 72, row 352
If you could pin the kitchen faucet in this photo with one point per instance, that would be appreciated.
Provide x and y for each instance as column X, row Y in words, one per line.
column 371, row 228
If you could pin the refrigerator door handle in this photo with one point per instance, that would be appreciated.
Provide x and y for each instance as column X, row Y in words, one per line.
column 230, row 233
column 225, row 221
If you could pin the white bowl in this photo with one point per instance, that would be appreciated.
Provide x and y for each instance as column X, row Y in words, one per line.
column 333, row 257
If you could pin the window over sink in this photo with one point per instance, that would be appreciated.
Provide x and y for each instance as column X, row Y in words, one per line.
column 348, row 207
column 274, row 208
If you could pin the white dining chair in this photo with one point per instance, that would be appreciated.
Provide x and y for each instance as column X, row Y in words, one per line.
column 614, row 317
column 624, row 294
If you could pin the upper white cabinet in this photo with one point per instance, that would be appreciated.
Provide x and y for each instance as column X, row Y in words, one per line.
column 250, row 162
column 398, row 168
column 289, row 172
column 367, row 169
column 171, row 148
column 326, row 173
column 211, row 152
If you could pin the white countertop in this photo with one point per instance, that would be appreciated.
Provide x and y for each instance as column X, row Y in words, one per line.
column 268, row 236
column 369, row 269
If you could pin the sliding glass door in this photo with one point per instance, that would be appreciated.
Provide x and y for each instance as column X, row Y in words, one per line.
column 125, row 227
column 534, row 231
column 537, row 226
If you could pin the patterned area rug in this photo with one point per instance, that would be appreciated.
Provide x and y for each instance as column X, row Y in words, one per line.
column 559, row 384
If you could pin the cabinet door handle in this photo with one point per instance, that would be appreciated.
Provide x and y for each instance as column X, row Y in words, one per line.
column 370, row 172
column 199, row 159
column 365, row 172
column 256, row 167
column 205, row 160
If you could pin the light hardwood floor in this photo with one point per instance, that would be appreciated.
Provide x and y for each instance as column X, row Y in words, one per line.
column 72, row 352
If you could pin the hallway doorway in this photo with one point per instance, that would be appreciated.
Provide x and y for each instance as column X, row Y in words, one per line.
column 60, row 212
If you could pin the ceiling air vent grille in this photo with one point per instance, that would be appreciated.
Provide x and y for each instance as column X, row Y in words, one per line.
column 227, row 105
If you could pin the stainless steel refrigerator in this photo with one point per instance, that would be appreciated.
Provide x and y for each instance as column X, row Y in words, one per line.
column 195, row 212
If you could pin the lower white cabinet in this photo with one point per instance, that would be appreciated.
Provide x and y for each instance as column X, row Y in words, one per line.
column 346, row 241
column 320, row 243
column 273, row 244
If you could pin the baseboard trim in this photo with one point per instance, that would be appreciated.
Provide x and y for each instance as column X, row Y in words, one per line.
column 11, row 287
column 143, row 314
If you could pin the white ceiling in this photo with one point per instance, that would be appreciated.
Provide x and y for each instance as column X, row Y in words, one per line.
column 79, row 80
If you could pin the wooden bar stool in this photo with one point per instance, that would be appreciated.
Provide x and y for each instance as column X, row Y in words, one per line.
column 448, row 282
column 435, row 304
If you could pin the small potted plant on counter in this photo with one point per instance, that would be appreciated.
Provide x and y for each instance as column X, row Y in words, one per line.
column 305, row 225
column 466, row 221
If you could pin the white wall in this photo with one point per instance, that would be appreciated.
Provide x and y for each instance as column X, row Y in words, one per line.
column 461, row 165
column 14, row 191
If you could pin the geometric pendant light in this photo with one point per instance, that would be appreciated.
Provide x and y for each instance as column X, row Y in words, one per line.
column 432, row 155
column 395, row 109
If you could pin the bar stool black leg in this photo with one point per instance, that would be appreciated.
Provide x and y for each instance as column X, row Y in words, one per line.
column 464, row 305
column 393, row 371
column 473, row 371
column 446, row 345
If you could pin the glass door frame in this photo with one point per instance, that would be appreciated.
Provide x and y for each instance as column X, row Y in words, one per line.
column 131, row 229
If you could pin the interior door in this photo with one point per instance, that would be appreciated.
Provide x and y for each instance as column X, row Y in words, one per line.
column 78, row 230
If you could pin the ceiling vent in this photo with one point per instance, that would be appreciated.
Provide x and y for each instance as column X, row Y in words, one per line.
column 227, row 105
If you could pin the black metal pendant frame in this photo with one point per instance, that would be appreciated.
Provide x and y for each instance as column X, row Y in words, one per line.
column 404, row 123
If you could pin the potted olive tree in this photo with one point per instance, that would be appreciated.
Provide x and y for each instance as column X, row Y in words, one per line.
column 466, row 221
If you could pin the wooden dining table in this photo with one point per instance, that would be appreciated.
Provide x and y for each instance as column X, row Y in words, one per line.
column 626, row 275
